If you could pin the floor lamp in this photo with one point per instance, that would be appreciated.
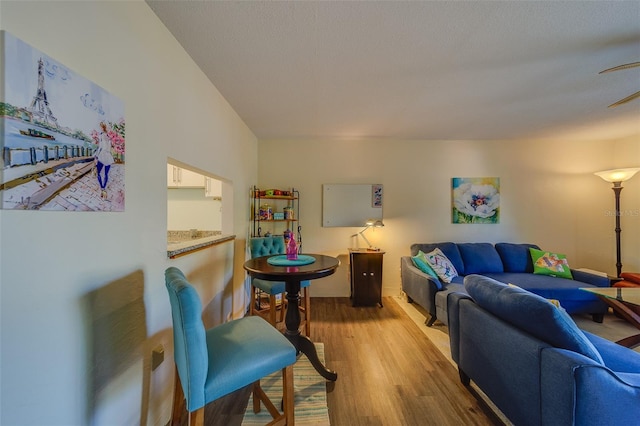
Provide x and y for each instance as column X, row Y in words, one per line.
column 618, row 176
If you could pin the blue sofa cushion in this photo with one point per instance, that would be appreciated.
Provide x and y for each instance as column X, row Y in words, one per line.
column 516, row 257
column 450, row 250
column 479, row 258
column 566, row 291
column 546, row 286
column 531, row 313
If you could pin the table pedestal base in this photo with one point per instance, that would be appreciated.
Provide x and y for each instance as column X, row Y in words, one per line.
column 301, row 342
column 304, row 345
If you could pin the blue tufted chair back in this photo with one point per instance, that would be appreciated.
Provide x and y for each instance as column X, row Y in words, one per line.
column 263, row 246
column 189, row 337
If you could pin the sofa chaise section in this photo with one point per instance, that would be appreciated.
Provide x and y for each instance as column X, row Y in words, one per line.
column 509, row 263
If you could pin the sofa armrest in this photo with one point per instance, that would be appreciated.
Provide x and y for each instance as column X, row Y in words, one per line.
column 577, row 390
column 453, row 312
column 418, row 286
column 616, row 357
column 633, row 277
column 589, row 278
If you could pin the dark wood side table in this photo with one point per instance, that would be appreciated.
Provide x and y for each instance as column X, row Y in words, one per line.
column 366, row 277
column 323, row 266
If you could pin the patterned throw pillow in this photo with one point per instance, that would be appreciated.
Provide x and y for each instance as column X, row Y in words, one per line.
column 547, row 263
column 420, row 262
column 441, row 265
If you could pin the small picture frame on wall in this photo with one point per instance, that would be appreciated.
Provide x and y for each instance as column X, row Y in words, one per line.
column 475, row 200
column 376, row 196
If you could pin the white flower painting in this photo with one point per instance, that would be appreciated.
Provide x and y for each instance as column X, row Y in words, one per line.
column 476, row 200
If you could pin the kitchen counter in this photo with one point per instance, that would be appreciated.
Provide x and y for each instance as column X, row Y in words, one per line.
column 180, row 243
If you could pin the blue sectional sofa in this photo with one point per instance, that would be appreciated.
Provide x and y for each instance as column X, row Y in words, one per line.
column 535, row 364
column 504, row 262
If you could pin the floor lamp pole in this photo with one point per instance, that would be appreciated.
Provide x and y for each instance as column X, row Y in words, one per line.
column 617, row 188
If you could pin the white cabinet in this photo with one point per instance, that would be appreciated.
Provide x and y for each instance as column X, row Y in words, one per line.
column 212, row 187
column 178, row 177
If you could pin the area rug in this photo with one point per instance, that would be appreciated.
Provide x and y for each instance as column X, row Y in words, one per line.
column 310, row 394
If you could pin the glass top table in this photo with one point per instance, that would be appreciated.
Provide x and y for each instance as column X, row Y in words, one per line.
column 625, row 302
column 622, row 294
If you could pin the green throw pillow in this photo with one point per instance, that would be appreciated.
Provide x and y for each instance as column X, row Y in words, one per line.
column 547, row 263
column 420, row 262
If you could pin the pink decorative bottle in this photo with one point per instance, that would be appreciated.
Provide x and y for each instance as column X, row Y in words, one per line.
column 292, row 247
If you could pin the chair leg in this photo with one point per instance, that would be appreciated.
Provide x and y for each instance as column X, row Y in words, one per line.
column 258, row 396
column 283, row 306
column 178, row 401
column 252, row 306
column 287, row 396
column 196, row 418
column 287, row 417
column 272, row 309
column 255, row 390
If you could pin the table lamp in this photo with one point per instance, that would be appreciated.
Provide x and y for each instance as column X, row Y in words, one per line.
column 371, row 223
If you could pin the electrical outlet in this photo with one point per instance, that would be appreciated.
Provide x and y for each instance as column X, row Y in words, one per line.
column 157, row 357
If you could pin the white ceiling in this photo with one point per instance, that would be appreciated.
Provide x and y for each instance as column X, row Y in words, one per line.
column 416, row 70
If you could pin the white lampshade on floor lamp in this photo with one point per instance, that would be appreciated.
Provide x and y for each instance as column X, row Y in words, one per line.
column 617, row 176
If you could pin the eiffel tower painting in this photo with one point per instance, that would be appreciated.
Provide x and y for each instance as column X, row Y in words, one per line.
column 62, row 136
column 40, row 104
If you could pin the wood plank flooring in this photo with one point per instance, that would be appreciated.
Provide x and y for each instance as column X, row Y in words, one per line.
column 389, row 373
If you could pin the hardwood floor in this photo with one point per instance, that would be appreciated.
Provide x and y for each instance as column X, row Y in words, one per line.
column 389, row 373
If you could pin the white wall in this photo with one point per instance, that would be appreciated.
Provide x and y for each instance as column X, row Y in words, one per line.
column 72, row 351
column 188, row 208
column 549, row 196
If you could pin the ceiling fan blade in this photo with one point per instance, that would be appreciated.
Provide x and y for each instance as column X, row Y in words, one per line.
column 625, row 100
column 621, row 67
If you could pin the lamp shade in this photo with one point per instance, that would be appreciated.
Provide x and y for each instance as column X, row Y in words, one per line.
column 376, row 223
column 618, row 175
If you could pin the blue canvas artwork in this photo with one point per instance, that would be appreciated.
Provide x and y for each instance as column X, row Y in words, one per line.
column 63, row 136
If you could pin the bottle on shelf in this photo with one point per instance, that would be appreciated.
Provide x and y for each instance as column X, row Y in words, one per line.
column 292, row 248
column 288, row 213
